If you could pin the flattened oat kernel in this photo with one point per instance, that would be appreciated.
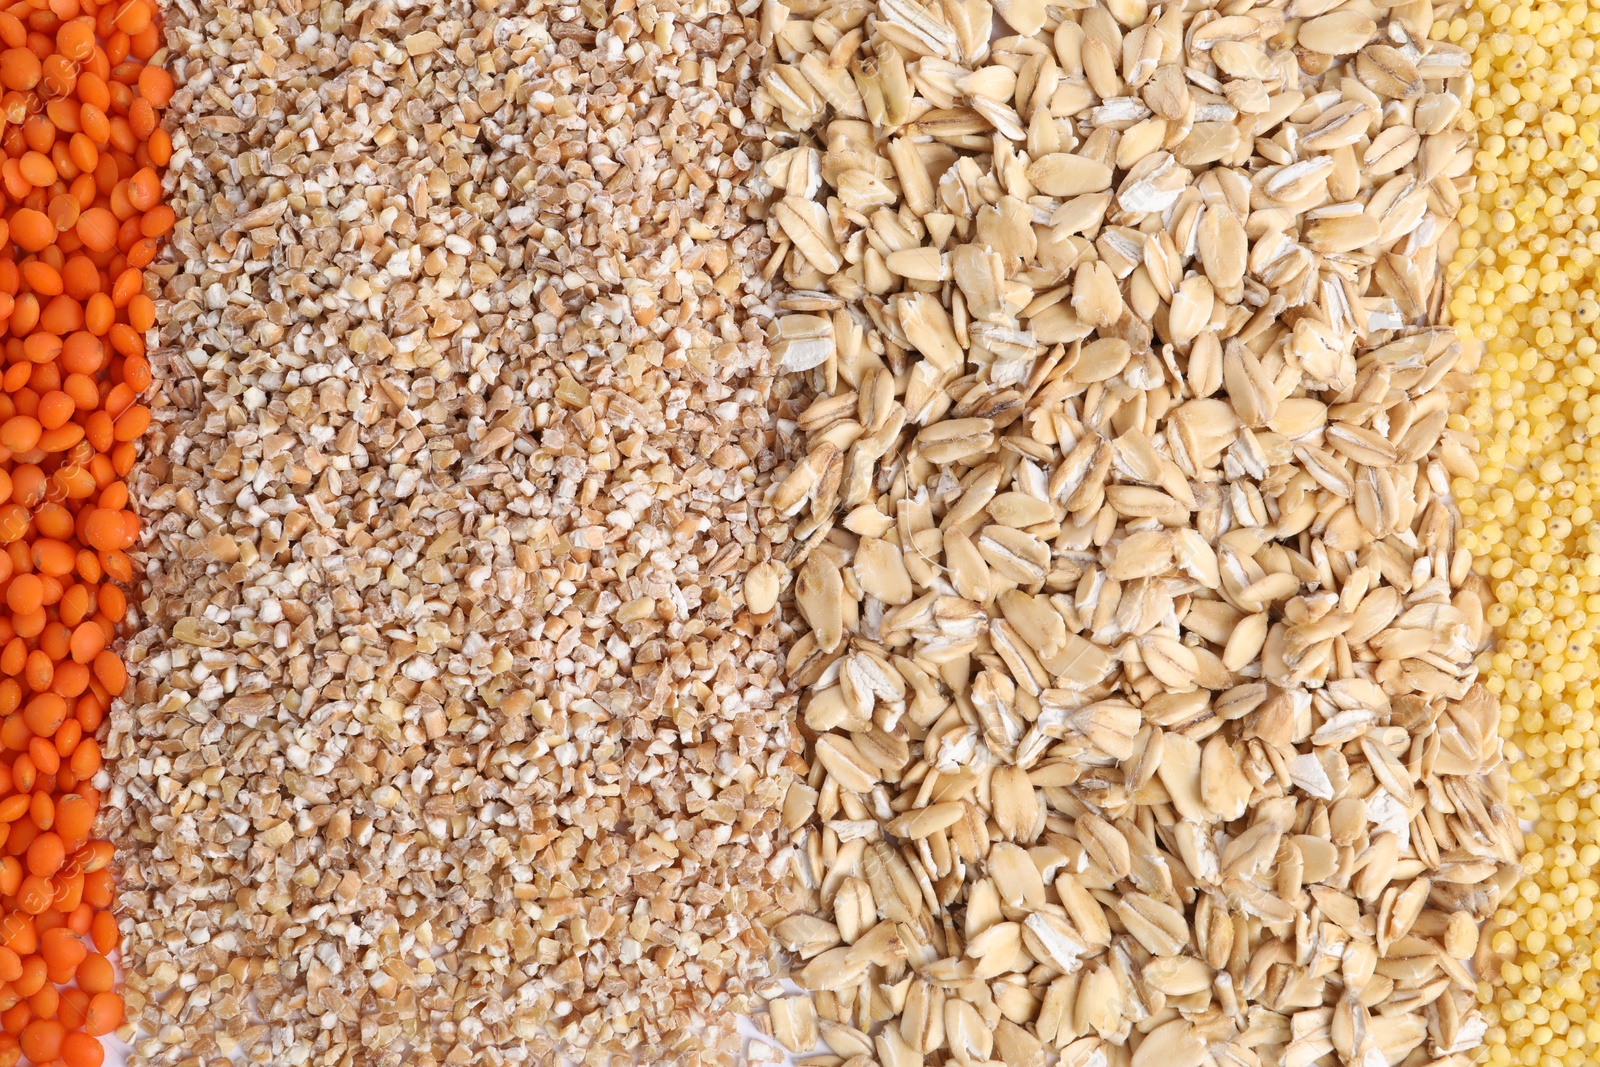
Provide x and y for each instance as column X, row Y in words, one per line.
column 1123, row 459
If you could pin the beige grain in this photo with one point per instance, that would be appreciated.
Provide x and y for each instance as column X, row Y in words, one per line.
column 1138, row 713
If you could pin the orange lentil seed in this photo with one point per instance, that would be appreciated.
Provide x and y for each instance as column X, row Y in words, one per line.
column 80, row 218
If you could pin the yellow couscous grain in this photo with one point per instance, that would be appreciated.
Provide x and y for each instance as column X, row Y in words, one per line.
column 1527, row 286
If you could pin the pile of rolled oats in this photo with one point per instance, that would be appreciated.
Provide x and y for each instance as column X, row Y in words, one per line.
column 1138, row 687
column 453, row 738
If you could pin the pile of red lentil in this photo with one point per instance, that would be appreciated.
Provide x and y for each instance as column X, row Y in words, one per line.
column 82, row 218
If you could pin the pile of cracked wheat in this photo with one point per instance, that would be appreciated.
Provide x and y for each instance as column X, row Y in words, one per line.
column 452, row 741
column 950, row 501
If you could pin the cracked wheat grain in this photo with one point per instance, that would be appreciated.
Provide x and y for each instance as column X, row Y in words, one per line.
column 453, row 740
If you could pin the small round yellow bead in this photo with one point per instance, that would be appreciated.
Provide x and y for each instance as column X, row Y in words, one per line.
column 1528, row 286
